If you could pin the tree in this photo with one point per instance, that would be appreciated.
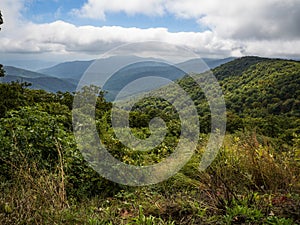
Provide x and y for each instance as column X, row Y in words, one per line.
column 1, row 19
column 1, row 67
column 2, row 72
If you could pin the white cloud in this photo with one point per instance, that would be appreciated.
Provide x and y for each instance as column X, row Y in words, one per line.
column 274, row 48
column 242, row 19
column 256, row 19
column 65, row 37
column 96, row 9
column 237, row 28
column 11, row 11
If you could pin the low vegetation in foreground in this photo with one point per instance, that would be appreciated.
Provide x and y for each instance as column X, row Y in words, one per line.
column 253, row 180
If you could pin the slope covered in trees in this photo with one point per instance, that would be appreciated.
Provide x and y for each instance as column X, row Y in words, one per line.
column 261, row 94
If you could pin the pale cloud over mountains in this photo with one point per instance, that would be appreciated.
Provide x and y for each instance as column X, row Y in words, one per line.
column 265, row 28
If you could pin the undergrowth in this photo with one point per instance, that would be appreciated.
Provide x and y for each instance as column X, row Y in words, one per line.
column 250, row 182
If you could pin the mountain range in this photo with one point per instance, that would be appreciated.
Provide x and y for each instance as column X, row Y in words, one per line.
column 37, row 80
column 65, row 76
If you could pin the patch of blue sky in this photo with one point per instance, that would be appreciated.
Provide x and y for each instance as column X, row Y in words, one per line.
column 47, row 11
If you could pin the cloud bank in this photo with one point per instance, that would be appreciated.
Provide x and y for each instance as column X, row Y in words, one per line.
column 241, row 19
column 236, row 28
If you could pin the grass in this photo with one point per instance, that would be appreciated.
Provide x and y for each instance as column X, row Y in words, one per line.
column 250, row 182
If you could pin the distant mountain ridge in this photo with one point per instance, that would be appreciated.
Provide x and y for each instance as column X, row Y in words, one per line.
column 115, row 69
column 65, row 76
column 37, row 80
column 148, row 75
column 73, row 69
column 15, row 71
column 76, row 69
column 201, row 65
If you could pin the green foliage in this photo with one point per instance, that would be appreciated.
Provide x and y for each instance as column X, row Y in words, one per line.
column 2, row 72
column 261, row 94
column 33, row 135
column 278, row 221
column 148, row 220
column 242, row 214
column 237, row 67
column 16, row 95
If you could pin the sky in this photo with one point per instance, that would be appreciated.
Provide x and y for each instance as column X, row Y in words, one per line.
column 64, row 30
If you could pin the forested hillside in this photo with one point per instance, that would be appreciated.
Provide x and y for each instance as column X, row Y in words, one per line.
column 254, row 179
column 260, row 94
